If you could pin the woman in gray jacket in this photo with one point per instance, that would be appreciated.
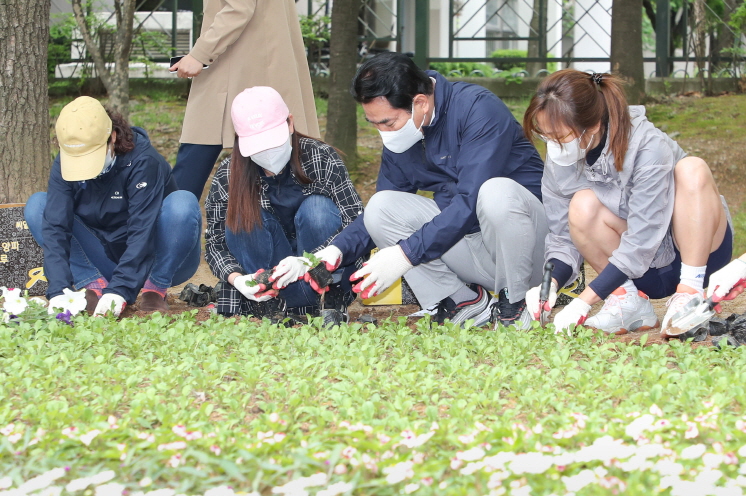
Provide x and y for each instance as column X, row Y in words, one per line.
column 621, row 194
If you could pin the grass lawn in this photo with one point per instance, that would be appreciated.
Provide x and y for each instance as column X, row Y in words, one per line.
column 174, row 405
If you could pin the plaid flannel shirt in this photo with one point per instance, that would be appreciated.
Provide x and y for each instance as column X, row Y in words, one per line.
column 322, row 165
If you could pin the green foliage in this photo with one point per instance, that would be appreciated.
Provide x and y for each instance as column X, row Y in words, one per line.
column 462, row 69
column 166, row 402
column 60, row 41
column 513, row 66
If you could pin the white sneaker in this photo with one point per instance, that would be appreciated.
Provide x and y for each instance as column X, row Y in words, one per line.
column 624, row 313
column 675, row 304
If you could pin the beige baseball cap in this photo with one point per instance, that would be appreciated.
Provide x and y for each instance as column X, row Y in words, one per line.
column 83, row 128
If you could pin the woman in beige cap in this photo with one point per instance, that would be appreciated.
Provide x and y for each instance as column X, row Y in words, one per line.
column 112, row 220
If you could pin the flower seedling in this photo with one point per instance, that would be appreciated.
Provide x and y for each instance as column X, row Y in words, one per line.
column 261, row 277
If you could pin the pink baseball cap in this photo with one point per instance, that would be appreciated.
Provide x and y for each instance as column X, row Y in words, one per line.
column 260, row 119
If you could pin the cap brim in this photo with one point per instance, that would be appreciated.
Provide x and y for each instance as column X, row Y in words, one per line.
column 271, row 138
column 83, row 167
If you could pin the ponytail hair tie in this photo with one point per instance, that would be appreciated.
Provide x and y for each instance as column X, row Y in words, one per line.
column 597, row 78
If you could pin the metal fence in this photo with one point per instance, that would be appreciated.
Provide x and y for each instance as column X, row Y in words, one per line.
column 524, row 37
column 693, row 38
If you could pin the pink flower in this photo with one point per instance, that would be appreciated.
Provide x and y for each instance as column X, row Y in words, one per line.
column 174, row 461
column 112, row 420
column 348, row 452
column 215, row 449
column 8, row 429
column 145, row 436
column 69, row 431
column 427, row 481
column 383, row 439
column 340, row 469
column 15, row 437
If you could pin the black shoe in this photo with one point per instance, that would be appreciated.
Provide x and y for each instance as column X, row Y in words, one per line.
column 508, row 314
column 477, row 309
column 195, row 296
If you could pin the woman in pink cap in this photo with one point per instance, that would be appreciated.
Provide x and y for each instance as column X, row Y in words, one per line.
column 280, row 194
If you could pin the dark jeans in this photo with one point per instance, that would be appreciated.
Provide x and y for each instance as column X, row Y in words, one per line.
column 193, row 166
column 316, row 220
column 177, row 246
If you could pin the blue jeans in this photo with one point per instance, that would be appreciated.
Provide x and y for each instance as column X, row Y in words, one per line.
column 316, row 220
column 177, row 247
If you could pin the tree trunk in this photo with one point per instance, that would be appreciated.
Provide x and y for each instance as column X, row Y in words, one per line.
column 533, row 45
column 341, row 118
column 116, row 81
column 24, row 103
column 626, row 46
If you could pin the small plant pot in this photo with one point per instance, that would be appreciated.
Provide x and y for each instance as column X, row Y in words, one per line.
column 321, row 275
column 263, row 278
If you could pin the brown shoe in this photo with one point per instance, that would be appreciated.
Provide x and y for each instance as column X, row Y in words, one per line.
column 91, row 300
column 150, row 301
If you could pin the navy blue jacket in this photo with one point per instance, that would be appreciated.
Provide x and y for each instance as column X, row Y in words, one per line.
column 120, row 207
column 474, row 138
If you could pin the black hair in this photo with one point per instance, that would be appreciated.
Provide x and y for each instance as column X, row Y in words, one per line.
column 391, row 75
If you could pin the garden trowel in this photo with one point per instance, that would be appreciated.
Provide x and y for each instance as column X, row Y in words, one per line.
column 546, row 286
column 692, row 315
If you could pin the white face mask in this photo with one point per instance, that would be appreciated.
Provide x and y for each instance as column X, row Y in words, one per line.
column 567, row 154
column 108, row 162
column 403, row 139
column 274, row 159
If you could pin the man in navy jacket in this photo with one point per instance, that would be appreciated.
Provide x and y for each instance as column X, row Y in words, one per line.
column 484, row 227
column 112, row 220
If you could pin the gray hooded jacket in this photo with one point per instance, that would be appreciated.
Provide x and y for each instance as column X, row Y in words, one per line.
column 642, row 194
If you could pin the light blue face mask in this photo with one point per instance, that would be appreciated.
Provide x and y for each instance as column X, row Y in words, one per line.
column 108, row 163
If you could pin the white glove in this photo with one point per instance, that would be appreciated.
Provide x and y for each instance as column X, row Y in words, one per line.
column 727, row 283
column 532, row 300
column 382, row 270
column 110, row 303
column 74, row 301
column 331, row 256
column 574, row 313
column 256, row 292
column 289, row 270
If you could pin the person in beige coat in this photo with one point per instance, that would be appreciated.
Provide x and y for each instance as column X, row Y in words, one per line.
column 245, row 43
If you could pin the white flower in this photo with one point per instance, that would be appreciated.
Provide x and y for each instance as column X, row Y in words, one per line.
column 531, row 463
column 577, row 482
column 336, row 489
column 110, row 489
column 87, row 438
column 712, row 460
column 410, row 488
column 399, row 472
column 50, row 491
column 218, row 491
column 5, row 482
column 79, row 484
column 638, row 426
column 13, row 302
column 668, row 467
column 74, row 301
column 41, row 481
column 471, row 455
column 693, row 452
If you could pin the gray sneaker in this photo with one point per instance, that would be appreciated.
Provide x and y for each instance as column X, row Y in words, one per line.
column 624, row 313
column 477, row 309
